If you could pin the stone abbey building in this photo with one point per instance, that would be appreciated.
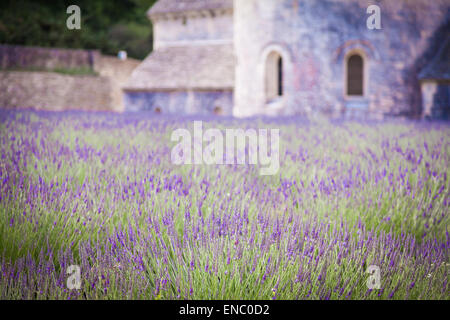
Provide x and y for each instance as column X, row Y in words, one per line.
column 295, row 57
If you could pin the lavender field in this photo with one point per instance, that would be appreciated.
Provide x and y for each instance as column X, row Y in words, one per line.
column 99, row 191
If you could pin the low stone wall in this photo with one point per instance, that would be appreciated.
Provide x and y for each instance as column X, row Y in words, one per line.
column 22, row 57
column 42, row 90
column 54, row 92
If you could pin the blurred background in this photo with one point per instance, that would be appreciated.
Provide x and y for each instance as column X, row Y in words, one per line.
column 107, row 25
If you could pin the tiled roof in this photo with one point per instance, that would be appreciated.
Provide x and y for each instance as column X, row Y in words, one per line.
column 439, row 67
column 176, row 6
column 185, row 67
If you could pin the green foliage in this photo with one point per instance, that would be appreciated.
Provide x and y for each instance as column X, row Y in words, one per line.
column 107, row 25
column 72, row 71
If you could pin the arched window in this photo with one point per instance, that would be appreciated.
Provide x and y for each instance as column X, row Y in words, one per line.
column 274, row 76
column 355, row 75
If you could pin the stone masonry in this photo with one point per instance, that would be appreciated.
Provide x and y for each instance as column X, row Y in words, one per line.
column 312, row 42
column 47, row 90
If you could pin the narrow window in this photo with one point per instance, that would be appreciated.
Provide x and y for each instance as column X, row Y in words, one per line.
column 274, row 76
column 218, row 110
column 355, row 76
column 280, row 76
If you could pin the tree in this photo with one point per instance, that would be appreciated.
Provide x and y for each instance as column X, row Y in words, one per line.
column 107, row 25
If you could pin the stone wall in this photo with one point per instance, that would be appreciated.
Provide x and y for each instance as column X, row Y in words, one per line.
column 55, row 91
column 181, row 102
column 117, row 72
column 22, row 57
column 192, row 29
column 316, row 37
